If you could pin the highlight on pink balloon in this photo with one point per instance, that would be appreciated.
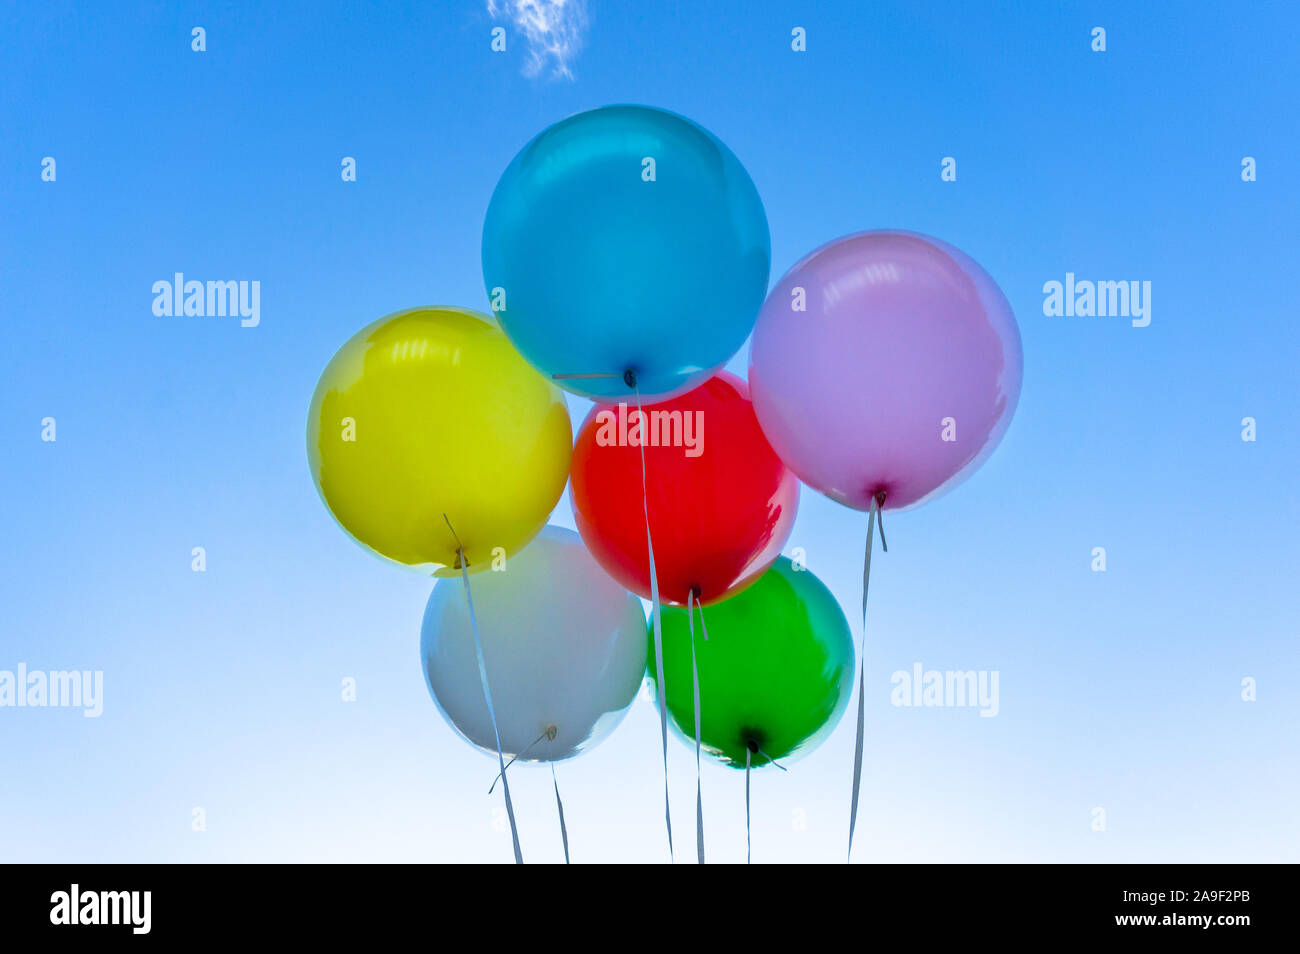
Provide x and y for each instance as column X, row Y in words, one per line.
column 885, row 362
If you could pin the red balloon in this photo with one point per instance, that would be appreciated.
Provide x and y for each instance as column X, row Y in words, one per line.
column 721, row 502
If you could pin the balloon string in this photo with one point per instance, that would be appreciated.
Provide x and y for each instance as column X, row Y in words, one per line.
column 770, row 760
column 748, row 850
column 873, row 518
column 487, row 692
column 704, row 629
column 630, row 378
column 695, row 682
column 547, row 733
column 564, row 832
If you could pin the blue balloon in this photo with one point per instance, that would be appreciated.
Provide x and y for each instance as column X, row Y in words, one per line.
column 626, row 239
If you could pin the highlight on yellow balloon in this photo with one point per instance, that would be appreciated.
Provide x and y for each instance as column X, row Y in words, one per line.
column 428, row 431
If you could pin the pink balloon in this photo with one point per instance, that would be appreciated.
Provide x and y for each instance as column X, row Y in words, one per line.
column 900, row 375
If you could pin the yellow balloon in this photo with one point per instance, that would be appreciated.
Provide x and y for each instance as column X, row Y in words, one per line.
column 432, row 411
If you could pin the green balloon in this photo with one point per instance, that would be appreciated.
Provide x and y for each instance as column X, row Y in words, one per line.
column 775, row 673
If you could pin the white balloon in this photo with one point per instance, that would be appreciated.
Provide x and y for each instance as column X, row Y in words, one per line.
column 564, row 647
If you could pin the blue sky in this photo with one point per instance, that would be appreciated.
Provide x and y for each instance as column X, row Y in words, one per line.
column 1119, row 690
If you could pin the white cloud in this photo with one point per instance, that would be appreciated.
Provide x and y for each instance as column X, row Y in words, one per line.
column 553, row 29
